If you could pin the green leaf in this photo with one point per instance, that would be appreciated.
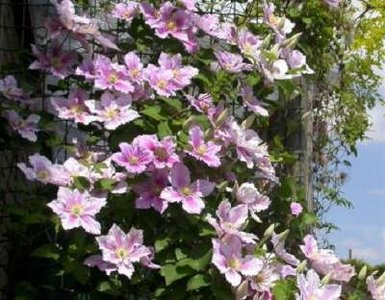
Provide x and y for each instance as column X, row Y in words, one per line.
column 164, row 129
column 309, row 218
column 46, row 251
column 81, row 183
column 153, row 112
column 173, row 273
column 105, row 184
column 198, row 281
column 284, row 290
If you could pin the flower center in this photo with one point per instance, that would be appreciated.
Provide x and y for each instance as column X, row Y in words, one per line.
column 234, row 263
column 312, row 297
column 76, row 109
column 186, row 191
column 133, row 160
column 42, row 175
column 134, row 72
column 111, row 113
column 259, row 278
column 201, row 150
column 176, row 73
column 56, row 62
column 171, row 25
column 77, row 209
column 161, row 153
column 122, row 253
column 162, row 84
column 113, row 78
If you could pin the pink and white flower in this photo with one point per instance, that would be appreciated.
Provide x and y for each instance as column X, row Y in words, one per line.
column 256, row 202
column 232, row 63
column 134, row 67
column 250, row 101
column 376, row 287
column 125, row 11
column 201, row 150
column 133, row 157
column 182, row 190
column 77, row 209
column 296, row 208
column 27, row 128
column 9, row 89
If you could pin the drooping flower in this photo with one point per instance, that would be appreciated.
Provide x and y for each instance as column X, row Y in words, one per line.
column 310, row 287
column 125, row 11
column 376, row 287
column 256, row 202
column 123, row 250
column 10, row 90
column 163, row 151
column 230, row 62
column 73, row 107
column 149, row 191
column 227, row 257
column 43, row 170
column 133, row 157
column 112, row 111
column 325, row 261
column 278, row 241
column 230, row 221
column 55, row 60
column 202, row 103
column 201, row 150
column 27, row 128
column 182, row 190
column 296, row 208
column 111, row 76
column 250, row 101
column 77, row 209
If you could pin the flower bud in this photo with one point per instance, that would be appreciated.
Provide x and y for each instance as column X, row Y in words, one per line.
column 221, row 118
column 362, row 273
column 269, row 231
column 326, row 279
column 301, row 267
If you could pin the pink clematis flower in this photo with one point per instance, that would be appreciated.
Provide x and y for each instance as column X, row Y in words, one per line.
column 43, row 170
column 230, row 221
column 125, row 11
column 310, row 287
column 249, row 44
column 133, row 157
column 134, row 67
column 325, row 261
column 121, row 250
column 111, row 76
column 202, row 103
column 73, row 107
column 232, row 63
column 296, row 208
column 77, row 209
column 199, row 149
column 112, row 111
column 182, row 74
column 278, row 241
column 332, row 3
column 86, row 69
column 250, row 101
column 265, row 280
column 27, row 128
column 97, row 261
column 163, row 151
column 149, row 191
column 55, row 60
column 182, row 190
column 227, row 257
column 160, row 80
column 376, row 287
column 9, row 89
column 248, row 194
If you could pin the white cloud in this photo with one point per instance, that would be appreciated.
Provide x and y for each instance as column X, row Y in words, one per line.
column 377, row 192
column 376, row 133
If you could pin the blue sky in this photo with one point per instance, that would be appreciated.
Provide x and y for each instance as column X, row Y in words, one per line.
column 362, row 229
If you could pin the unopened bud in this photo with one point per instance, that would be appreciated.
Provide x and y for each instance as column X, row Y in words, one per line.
column 326, row 279
column 284, row 235
column 269, row 231
column 266, row 41
column 292, row 41
column 362, row 273
column 246, row 124
column 301, row 267
column 221, row 118
column 381, row 279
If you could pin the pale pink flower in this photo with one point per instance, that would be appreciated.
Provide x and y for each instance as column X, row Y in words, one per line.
column 160, row 80
column 54, row 60
column 249, row 44
column 294, row 58
column 150, row 14
column 97, row 261
column 125, row 11
column 201, row 150
column 87, row 69
column 149, row 191
column 163, row 151
column 230, row 62
column 229, row 222
column 376, row 287
column 77, row 209
column 112, row 111
column 133, row 157
column 73, row 107
column 9, row 89
column 256, row 202
column 278, row 241
column 266, row 278
column 123, row 250
column 112, row 76
column 43, row 170
column 134, row 67
column 310, row 287
column 202, row 103
column 27, row 128
column 182, row 190
column 332, row 3
column 296, row 209
column 280, row 25
column 325, row 261
column 227, row 257
column 250, row 101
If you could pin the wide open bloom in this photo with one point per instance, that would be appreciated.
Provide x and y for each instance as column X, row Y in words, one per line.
column 160, row 80
column 134, row 67
column 27, row 128
column 310, row 288
column 227, row 257
column 230, row 221
column 125, row 11
column 73, row 107
column 112, row 111
column 182, row 190
column 42, row 169
column 163, row 151
column 122, row 250
column 249, row 44
column 201, row 150
column 149, row 191
column 112, row 76
column 77, row 209
column 231, row 62
column 133, row 157
column 296, row 208
column 325, row 261
column 55, row 60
